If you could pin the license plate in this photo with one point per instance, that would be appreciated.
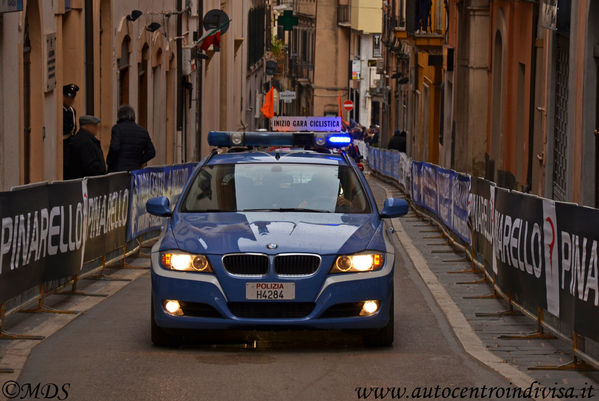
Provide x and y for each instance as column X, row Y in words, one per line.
column 270, row 291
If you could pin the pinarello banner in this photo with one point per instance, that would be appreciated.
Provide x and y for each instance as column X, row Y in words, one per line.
column 107, row 212
column 396, row 166
column 572, row 241
column 481, row 210
column 543, row 253
column 519, row 244
column 444, row 194
column 25, row 239
column 429, row 187
column 151, row 182
column 417, row 196
column 460, row 190
column 66, row 224
column 41, row 238
column 405, row 171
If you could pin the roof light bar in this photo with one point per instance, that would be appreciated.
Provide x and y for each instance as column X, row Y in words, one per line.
column 288, row 139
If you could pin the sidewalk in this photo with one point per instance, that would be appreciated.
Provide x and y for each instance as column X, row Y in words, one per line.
column 447, row 265
column 14, row 353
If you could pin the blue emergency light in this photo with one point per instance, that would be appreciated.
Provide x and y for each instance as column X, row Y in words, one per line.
column 289, row 139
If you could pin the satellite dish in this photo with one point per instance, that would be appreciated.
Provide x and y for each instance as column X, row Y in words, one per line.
column 214, row 19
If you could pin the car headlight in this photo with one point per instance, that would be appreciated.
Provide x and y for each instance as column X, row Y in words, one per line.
column 364, row 262
column 185, row 262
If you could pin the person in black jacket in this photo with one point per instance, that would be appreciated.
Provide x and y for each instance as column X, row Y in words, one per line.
column 86, row 158
column 130, row 145
column 69, row 123
column 398, row 141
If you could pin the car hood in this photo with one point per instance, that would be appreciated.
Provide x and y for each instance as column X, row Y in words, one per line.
column 220, row 233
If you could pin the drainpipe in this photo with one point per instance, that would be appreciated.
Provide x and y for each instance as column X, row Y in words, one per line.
column 533, row 74
column 200, row 75
column 180, row 93
column 89, row 56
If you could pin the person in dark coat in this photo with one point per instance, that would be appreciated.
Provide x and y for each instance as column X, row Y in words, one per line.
column 398, row 141
column 85, row 152
column 69, row 122
column 130, row 145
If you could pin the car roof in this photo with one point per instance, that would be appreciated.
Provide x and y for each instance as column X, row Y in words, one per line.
column 287, row 157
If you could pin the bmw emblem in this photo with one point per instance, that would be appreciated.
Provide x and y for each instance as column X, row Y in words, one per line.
column 272, row 246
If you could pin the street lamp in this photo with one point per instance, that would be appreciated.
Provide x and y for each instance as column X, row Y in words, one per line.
column 153, row 27
column 135, row 14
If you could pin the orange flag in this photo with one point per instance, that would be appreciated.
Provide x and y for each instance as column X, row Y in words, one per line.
column 269, row 104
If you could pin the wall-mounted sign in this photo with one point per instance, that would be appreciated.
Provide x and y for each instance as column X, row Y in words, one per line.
column 50, row 62
column 8, row 6
column 287, row 96
column 355, row 70
column 548, row 14
column 314, row 124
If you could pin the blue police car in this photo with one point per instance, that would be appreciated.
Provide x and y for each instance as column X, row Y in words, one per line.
column 281, row 239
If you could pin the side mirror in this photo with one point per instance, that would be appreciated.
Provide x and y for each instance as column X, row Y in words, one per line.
column 395, row 208
column 159, row 207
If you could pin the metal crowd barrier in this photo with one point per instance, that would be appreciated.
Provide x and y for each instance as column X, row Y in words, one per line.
column 480, row 220
column 53, row 235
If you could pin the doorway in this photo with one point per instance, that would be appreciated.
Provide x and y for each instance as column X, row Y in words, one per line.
column 33, row 126
column 597, row 141
column 106, row 73
column 496, row 148
column 123, row 65
column 27, row 107
column 142, row 100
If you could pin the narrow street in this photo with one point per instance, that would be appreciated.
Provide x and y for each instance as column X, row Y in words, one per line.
column 106, row 353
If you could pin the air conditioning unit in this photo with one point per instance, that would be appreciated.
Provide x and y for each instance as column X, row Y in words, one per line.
column 375, row 77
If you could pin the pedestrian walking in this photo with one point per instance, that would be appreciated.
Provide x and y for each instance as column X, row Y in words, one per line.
column 85, row 151
column 130, row 145
column 398, row 141
column 69, row 122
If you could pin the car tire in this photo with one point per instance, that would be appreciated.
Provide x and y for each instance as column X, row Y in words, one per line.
column 382, row 337
column 160, row 337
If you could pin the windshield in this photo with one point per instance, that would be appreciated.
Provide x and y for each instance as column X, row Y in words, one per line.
column 276, row 187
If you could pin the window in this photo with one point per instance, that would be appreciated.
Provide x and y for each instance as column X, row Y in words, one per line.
column 376, row 46
column 256, row 34
column 276, row 187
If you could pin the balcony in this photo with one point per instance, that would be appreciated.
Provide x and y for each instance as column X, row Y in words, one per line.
column 301, row 70
column 343, row 15
column 419, row 26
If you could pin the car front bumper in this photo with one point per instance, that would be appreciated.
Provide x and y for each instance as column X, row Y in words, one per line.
column 205, row 289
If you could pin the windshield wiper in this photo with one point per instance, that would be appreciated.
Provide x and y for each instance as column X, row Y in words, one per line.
column 287, row 209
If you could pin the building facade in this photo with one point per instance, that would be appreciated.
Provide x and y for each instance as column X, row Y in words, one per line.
column 414, row 35
column 366, row 87
column 147, row 58
column 523, row 113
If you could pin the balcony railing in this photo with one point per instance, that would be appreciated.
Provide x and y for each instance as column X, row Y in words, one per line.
column 343, row 14
column 300, row 69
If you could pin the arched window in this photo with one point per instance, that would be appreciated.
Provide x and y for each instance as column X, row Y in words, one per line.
column 123, row 64
column 497, row 104
column 142, row 93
